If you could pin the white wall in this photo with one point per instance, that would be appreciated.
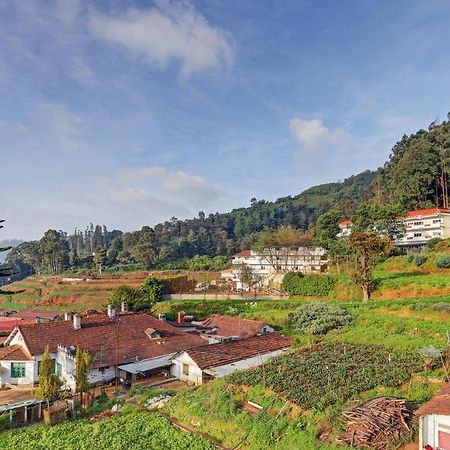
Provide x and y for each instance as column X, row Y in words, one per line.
column 5, row 373
column 195, row 373
column 429, row 427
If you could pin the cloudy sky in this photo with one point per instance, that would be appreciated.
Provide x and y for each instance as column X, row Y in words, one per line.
column 129, row 112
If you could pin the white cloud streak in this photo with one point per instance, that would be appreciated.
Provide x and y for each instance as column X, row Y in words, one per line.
column 170, row 31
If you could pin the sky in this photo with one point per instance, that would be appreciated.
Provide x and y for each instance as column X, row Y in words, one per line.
column 130, row 112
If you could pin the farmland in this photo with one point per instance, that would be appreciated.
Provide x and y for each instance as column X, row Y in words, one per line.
column 134, row 429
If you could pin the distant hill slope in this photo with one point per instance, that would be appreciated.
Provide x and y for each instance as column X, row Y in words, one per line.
column 416, row 175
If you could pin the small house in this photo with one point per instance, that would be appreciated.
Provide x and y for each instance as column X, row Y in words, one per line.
column 205, row 363
column 434, row 421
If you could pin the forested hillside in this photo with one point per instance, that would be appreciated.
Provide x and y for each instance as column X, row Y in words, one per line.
column 415, row 175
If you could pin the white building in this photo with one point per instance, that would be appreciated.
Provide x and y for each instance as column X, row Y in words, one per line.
column 265, row 265
column 434, row 421
column 205, row 363
column 421, row 226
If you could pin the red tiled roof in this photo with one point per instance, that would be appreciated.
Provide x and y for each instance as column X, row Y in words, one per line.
column 6, row 326
column 233, row 326
column 243, row 254
column 345, row 223
column 215, row 355
column 99, row 336
column 14, row 352
column 426, row 212
column 32, row 313
column 439, row 404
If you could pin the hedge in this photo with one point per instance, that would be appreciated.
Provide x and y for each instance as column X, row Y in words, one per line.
column 295, row 283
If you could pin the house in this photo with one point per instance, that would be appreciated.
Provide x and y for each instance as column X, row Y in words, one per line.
column 218, row 328
column 202, row 364
column 39, row 315
column 422, row 225
column 267, row 264
column 434, row 421
column 127, row 344
column 345, row 228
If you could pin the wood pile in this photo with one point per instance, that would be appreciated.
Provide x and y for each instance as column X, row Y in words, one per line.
column 376, row 423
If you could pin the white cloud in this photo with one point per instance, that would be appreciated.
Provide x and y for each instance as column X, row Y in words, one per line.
column 314, row 137
column 167, row 32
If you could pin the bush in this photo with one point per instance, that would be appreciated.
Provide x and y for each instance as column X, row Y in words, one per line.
column 319, row 318
column 431, row 244
column 153, row 288
column 443, row 262
column 410, row 258
column 419, row 260
column 295, row 283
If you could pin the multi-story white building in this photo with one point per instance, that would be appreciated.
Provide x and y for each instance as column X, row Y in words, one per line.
column 265, row 265
column 424, row 224
column 421, row 226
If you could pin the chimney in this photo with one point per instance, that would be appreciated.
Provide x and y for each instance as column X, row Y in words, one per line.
column 67, row 316
column 124, row 307
column 162, row 317
column 111, row 312
column 77, row 322
column 180, row 317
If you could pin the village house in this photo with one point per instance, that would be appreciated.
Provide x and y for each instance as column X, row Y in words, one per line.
column 271, row 264
column 129, row 344
column 218, row 328
column 434, row 421
column 421, row 226
column 201, row 364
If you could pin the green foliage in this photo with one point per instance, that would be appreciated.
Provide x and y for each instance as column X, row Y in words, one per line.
column 330, row 373
column 319, row 318
column 83, row 363
column 443, row 262
column 133, row 429
column 153, row 289
column 5, row 422
column 434, row 306
column 295, row 283
column 419, row 260
column 49, row 382
column 205, row 262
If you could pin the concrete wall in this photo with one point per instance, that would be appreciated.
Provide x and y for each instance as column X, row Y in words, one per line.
column 429, row 427
column 195, row 373
column 224, row 296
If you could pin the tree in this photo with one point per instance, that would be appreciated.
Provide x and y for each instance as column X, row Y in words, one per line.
column 246, row 276
column 5, row 269
column 368, row 249
column 382, row 219
column 100, row 257
column 49, row 382
column 144, row 251
column 153, row 289
column 83, row 364
column 54, row 251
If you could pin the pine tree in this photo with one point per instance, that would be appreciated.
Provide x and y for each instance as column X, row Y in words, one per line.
column 49, row 382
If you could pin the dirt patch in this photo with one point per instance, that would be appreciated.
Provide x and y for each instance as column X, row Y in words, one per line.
column 411, row 291
column 441, row 316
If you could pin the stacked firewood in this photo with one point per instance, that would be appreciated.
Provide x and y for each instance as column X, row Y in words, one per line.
column 376, row 423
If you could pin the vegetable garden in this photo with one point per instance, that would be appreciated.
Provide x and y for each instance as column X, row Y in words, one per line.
column 133, row 429
column 331, row 373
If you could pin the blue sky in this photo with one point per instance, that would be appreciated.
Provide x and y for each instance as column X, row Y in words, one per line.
column 128, row 112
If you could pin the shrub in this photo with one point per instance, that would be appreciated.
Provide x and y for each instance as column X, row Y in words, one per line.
column 431, row 244
column 419, row 260
column 443, row 262
column 410, row 258
column 319, row 318
column 295, row 283
column 153, row 288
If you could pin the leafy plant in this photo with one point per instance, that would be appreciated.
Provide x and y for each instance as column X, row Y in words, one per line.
column 419, row 260
column 295, row 283
column 443, row 262
column 319, row 318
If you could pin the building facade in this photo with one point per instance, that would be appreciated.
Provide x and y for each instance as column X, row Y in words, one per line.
column 266, row 264
column 421, row 226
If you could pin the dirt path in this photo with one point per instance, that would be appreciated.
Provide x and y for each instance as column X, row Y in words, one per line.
column 15, row 395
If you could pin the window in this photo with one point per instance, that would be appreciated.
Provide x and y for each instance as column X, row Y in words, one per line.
column 436, row 220
column 58, row 369
column 186, row 369
column 262, row 267
column 418, row 223
column 417, row 234
column 17, row 370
